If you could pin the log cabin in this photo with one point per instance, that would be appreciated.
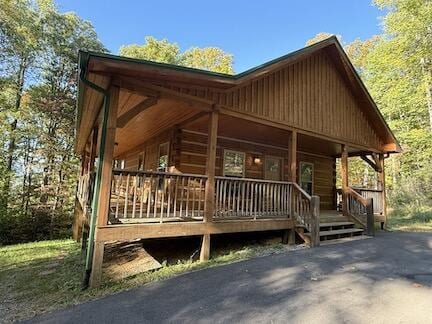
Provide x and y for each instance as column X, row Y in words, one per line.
column 170, row 151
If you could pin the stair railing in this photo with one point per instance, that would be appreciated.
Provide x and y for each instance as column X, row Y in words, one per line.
column 306, row 211
column 360, row 209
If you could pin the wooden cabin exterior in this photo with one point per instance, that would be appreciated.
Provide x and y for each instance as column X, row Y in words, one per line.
column 169, row 151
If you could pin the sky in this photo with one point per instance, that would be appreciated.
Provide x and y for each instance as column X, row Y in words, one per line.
column 253, row 31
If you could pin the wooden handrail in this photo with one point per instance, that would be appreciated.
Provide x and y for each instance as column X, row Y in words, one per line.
column 364, row 208
column 359, row 198
column 300, row 189
column 254, row 180
column 161, row 173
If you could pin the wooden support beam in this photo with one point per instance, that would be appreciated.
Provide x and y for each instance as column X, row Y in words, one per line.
column 370, row 220
column 382, row 187
column 135, row 111
column 205, row 248
column 374, row 164
column 288, row 237
column 315, row 221
column 149, row 89
column 96, row 274
column 210, row 166
column 105, row 184
column 181, row 229
column 344, row 174
column 292, row 151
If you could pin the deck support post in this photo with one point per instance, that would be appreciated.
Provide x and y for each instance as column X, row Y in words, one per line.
column 344, row 174
column 105, row 184
column 370, row 218
column 288, row 236
column 205, row 248
column 209, row 204
column 382, row 187
column 315, row 221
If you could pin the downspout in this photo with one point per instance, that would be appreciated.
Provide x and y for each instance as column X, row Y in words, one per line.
column 94, row 206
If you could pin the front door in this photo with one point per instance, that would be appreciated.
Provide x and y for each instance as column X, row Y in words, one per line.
column 273, row 168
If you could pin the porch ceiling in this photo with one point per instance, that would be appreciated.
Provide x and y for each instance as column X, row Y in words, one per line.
column 152, row 121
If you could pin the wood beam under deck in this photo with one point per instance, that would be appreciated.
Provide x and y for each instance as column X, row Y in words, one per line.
column 157, row 230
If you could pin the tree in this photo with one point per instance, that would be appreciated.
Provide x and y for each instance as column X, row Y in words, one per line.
column 41, row 192
column 20, row 33
column 320, row 37
column 208, row 58
column 153, row 50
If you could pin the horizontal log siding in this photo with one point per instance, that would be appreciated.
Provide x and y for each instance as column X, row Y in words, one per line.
column 193, row 149
column 151, row 150
column 309, row 95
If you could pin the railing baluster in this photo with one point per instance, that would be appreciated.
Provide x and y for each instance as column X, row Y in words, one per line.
column 134, row 196
column 169, row 184
column 126, row 197
column 142, row 195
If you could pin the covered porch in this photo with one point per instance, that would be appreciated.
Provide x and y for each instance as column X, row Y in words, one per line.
column 173, row 166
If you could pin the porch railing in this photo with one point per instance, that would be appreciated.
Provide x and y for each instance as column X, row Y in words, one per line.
column 252, row 198
column 360, row 209
column 147, row 196
column 155, row 196
column 376, row 195
column 85, row 189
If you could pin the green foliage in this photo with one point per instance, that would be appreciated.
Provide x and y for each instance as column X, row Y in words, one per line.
column 38, row 88
column 208, row 58
column 397, row 69
column 153, row 50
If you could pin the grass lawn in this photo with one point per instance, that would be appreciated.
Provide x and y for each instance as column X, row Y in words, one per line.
column 43, row 276
column 410, row 218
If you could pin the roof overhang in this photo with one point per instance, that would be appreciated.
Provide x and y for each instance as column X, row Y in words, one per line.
column 99, row 67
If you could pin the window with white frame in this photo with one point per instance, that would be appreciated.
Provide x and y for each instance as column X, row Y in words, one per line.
column 234, row 163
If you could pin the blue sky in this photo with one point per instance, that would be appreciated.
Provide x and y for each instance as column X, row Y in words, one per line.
column 253, row 31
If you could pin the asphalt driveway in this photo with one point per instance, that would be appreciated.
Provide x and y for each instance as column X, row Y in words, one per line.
column 387, row 279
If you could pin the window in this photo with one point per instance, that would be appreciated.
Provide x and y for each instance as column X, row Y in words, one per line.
column 233, row 163
column 163, row 156
column 273, row 167
column 141, row 162
column 306, row 177
column 119, row 164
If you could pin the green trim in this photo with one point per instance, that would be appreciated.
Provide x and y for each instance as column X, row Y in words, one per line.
column 96, row 191
column 200, row 71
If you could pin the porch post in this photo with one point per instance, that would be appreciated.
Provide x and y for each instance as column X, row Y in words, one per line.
column 105, row 183
column 292, row 158
column 292, row 151
column 381, row 183
column 209, row 203
column 344, row 174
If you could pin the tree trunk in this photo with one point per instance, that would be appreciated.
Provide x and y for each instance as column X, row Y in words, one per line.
column 13, row 127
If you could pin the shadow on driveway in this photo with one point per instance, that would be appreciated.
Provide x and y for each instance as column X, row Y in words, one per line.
column 382, row 280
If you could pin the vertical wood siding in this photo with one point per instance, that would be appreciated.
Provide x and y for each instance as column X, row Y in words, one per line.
column 309, row 95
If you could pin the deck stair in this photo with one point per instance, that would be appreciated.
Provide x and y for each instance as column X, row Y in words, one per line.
column 333, row 226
